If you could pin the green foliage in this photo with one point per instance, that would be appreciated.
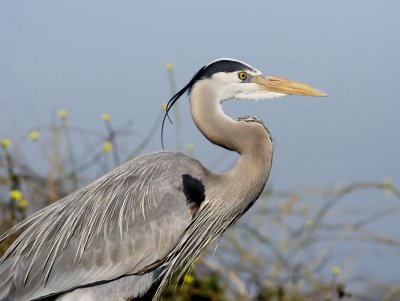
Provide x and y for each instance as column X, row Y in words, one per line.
column 195, row 289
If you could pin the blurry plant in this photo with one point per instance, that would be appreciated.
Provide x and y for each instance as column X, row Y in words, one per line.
column 111, row 143
column 295, row 237
column 34, row 135
column 107, row 147
column 192, row 288
column 5, row 143
column 177, row 115
column 63, row 114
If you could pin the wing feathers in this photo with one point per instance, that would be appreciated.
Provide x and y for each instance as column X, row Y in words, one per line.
column 123, row 223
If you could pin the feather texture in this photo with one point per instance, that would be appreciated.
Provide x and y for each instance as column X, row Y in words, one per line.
column 116, row 226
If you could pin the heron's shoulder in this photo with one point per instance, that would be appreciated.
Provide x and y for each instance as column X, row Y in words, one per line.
column 255, row 119
column 150, row 169
column 163, row 155
column 165, row 160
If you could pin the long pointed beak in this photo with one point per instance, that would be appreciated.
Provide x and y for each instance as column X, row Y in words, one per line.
column 285, row 86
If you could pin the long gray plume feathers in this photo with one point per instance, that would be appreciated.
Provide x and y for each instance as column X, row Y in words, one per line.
column 122, row 222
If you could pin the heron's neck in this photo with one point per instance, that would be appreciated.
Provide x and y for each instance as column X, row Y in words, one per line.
column 249, row 139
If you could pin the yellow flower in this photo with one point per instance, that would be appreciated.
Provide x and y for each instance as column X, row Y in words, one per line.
column 22, row 204
column 106, row 117
column 189, row 279
column 190, row 148
column 34, row 135
column 336, row 271
column 388, row 187
column 163, row 107
column 16, row 195
column 63, row 114
column 107, row 147
column 169, row 66
column 5, row 143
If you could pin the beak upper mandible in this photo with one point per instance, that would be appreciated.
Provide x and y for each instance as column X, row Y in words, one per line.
column 285, row 86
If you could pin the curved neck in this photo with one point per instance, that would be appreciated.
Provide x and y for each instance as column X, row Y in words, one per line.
column 249, row 139
column 209, row 118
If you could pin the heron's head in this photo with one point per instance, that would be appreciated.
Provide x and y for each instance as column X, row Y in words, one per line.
column 232, row 79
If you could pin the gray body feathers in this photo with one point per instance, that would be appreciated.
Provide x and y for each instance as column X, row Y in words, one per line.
column 118, row 225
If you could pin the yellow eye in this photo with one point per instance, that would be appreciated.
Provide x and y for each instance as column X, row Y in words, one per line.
column 242, row 75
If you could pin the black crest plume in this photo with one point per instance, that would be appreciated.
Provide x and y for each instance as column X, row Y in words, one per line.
column 174, row 98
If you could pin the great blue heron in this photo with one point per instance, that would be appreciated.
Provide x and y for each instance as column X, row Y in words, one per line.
column 123, row 236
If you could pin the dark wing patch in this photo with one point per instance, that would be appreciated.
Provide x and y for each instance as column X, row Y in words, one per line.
column 194, row 192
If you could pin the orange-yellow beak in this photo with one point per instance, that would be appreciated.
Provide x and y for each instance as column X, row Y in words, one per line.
column 285, row 86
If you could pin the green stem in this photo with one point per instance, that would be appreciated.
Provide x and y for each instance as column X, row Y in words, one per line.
column 71, row 154
column 177, row 115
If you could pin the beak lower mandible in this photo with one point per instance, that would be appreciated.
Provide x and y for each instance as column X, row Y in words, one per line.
column 285, row 86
